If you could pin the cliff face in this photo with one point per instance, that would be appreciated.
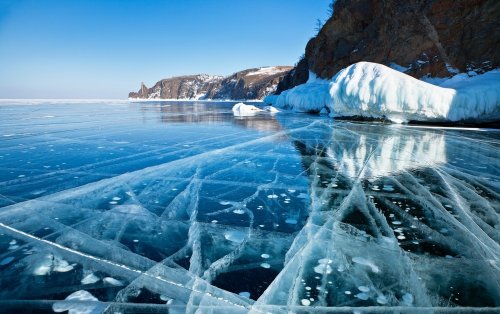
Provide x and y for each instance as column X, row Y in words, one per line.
column 248, row 84
column 181, row 87
column 434, row 38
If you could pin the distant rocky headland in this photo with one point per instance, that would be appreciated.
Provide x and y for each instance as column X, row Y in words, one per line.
column 247, row 84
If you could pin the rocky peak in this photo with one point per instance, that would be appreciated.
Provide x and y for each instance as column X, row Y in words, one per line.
column 434, row 38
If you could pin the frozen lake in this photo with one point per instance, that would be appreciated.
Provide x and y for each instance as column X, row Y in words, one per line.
column 128, row 207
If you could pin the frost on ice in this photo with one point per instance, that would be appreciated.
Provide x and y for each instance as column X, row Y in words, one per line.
column 316, row 214
column 376, row 91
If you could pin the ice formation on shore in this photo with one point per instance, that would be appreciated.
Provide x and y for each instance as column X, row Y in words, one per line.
column 375, row 91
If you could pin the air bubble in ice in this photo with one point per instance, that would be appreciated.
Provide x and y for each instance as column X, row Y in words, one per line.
column 323, row 268
column 112, row 281
column 89, row 279
column 291, row 221
column 363, row 288
column 325, row 261
column 388, row 188
column 245, row 294
column 272, row 196
column 381, row 299
column 239, row 211
column 235, row 236
column 265, row 255
column 362, row 296
column 164, row 298
column 6, row 260
column 265, row 265
column 305, row 302
column 407, row 299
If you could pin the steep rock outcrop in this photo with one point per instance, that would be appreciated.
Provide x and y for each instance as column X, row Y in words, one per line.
column 422, row 38
column 247, row 84
column 180, row 87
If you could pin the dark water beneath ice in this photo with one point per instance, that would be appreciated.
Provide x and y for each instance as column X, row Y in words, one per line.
column 144, row 207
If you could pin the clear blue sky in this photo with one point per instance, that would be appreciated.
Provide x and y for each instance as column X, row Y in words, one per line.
column 105, row 48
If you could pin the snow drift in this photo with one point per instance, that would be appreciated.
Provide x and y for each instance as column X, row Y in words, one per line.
column 375, row 91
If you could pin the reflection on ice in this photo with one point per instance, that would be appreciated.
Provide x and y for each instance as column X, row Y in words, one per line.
column 391, row 154
column 289, row 213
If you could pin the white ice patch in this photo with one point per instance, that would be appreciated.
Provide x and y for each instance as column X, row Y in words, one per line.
column 235, row 236
column 381, row 299
column 86, row 304
column 49, row 263
column 305, row 302
column 362, row 296
column 62, row 266
column 265, row 265
column 363, row 288
column 242, row 110
column 407, row 299
column 245, row 294
column 112, row 281
column 89, row 279
column 323, row 268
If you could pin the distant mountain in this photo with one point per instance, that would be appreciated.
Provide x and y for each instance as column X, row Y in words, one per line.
column 247, row 84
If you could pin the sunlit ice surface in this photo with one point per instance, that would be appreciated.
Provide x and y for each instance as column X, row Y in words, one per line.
column 124, row 207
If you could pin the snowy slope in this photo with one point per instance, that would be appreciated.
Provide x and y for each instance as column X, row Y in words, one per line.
column 374, row 90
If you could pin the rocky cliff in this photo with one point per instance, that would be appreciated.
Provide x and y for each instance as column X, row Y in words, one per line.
column 422, row 38
column 247, row 84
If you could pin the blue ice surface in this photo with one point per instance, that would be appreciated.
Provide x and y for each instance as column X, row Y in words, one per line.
column 181, row 205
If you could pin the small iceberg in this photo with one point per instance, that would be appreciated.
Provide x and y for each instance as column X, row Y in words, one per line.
column 243, row 110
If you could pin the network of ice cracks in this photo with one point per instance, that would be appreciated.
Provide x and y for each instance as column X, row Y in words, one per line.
column 318, row 214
